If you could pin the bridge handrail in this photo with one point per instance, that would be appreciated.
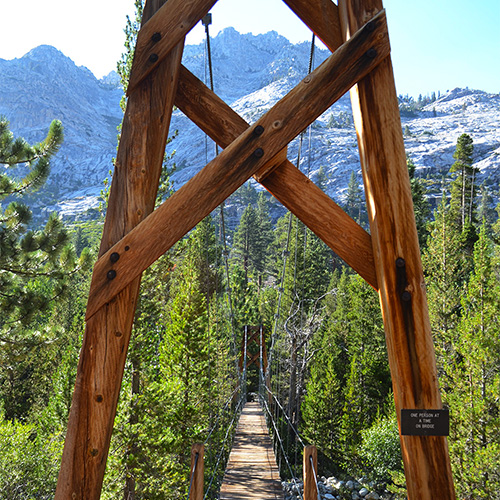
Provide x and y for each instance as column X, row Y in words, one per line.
column 263, row 402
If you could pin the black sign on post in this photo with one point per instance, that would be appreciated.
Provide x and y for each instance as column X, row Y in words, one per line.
column 425, row 422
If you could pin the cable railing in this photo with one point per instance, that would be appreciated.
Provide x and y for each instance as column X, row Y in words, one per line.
column 280, row 440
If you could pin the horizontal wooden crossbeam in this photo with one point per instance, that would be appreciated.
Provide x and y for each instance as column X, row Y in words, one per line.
column 285, row 182
column 239, row 161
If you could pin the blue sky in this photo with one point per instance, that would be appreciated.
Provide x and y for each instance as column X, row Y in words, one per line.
column 436, row 44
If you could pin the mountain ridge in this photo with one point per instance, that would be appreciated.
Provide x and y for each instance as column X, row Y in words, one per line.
column 251, row 73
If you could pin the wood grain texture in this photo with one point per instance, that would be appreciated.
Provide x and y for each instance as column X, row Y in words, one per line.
column 310, row 472
column 325, row 218
column 107, row 333
column 322, row 17
column 242, row 159
column 286, row 183
column 197, row 473
column 165, row 30
column 251, row 472
column 394, row 236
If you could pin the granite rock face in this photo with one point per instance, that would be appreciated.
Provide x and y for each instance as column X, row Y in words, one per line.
column 251, row 73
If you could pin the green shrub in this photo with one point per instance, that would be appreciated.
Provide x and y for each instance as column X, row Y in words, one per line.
column 380, row 448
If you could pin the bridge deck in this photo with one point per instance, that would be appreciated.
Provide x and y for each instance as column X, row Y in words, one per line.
column 252, row 472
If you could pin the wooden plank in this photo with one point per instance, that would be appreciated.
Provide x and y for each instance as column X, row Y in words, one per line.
column 251, row 472
column 166, row 28
column 107, row 334
column 322, row 17
column 292, row 188
column 309, row 472
column 398, row 264
column 243, row 158
column 207, row 110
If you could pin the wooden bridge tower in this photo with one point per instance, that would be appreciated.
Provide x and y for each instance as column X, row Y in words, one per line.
column 134, row 235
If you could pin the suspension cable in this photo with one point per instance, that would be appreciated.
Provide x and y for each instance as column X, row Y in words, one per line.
column 286, row 416
column 226, row 404
column 315, row 477
column 286, row 252
column 192, row 474
column 207, row 20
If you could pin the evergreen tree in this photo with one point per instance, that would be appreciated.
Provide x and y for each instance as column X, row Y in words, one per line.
column 473, row 379
column 34, row 264
column 353, row 205
column 322, row 179
column 463, row 189
column 246, row 244
column 485, row 210
column 421, row 206
column 445, row 276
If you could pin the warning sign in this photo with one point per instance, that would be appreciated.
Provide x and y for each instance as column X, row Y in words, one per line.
column 425, row 422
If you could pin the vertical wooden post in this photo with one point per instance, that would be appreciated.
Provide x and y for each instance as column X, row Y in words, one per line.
column 397, row 261
column 107, row 334
column 309, row 471
column 197, row 475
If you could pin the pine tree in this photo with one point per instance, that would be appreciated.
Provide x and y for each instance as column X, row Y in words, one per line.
column 421, row 206
column 246, row 241
column 463, row 189
column 473, row 378
column 34, row 264
column 445, row 277
column 353, row 205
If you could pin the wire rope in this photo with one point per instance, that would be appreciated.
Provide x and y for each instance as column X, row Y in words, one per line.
column 226, row 404
column 197, row 456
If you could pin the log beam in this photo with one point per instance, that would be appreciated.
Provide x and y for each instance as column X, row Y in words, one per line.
column 286, row 183
column 107, row 333
column 322, row 17
column 398, row 265
column 164, row 31
column 243, row 158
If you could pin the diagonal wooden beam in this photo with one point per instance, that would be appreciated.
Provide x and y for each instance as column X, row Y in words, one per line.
column 325, row 218
column 243, row 158
column 322, row 17
column 162, row 33
column 107, row 334
column 286, row 183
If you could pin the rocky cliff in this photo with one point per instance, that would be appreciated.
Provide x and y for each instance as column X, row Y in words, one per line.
column 251, row 73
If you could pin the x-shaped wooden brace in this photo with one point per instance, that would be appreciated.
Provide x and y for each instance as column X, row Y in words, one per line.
column 257, row 335
column 251, row 149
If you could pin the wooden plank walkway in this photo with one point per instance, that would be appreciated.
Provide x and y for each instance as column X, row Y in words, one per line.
column 252, row 472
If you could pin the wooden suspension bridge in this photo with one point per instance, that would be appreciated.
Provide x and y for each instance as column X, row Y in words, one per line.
column 251, row 472
column 135, row 235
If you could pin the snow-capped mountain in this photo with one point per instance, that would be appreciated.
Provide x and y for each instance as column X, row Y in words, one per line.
column 251, row 73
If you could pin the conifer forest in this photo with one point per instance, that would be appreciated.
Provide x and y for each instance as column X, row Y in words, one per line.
column 329, row 378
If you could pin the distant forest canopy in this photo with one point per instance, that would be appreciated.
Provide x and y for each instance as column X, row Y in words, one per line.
column 329, row 363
